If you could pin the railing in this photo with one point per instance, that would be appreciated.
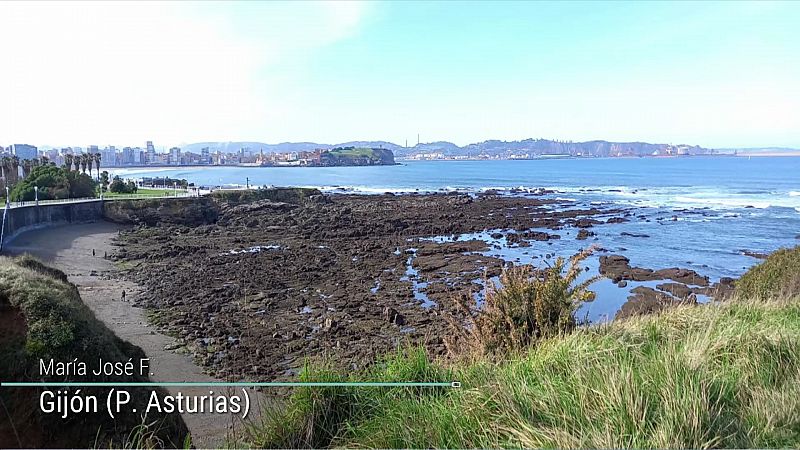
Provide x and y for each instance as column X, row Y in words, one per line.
column 27, row 203
column 144, row 196
column 51, row 202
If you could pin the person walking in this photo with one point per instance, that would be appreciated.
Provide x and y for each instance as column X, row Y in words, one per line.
column 123, row 295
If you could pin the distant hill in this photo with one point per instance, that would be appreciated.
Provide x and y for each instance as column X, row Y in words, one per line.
column 283, row 147
column 490, row 148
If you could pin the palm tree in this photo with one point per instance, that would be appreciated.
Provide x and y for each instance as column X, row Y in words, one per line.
column 83, row 162
column 26, row 168
column 5, row 163
column 68, row 161
column 89, row 162
column 15, row 169
column 97, row 158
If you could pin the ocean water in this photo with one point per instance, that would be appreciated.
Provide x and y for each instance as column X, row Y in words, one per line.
column 697, row 212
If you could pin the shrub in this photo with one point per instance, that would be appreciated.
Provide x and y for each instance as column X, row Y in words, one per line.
column 53, row 183
column 777, row 276
column 121, row 187
column 528, row 305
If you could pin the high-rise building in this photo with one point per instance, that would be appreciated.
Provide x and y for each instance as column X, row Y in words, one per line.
column 127, row 156
column 24, row 151
column 109, row 156
column 175, row 156
column 151, row 153
column 205, row 157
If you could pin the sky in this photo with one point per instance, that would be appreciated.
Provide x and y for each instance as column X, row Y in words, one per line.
column 713, row 74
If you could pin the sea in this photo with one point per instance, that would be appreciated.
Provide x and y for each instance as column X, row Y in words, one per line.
column 701, row 213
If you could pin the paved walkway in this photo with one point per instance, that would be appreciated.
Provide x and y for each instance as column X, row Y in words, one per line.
column 69, row 248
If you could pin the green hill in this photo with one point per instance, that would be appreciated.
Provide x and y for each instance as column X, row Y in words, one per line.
column 357, row 156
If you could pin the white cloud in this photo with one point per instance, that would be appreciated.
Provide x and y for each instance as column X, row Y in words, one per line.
column 121, row 73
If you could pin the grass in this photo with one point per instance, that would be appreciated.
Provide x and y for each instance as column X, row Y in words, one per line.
column 693, row 377
column 143, row 192
column 778, row 275
column 43, row 317
column 359, row 152
column 717, row 375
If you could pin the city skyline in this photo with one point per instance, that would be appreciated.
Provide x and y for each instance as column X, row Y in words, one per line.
column 711, row 74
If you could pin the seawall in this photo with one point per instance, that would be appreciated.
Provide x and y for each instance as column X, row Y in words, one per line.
column 29, row 217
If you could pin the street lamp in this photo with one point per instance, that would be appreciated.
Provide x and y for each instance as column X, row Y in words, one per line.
column 8, row 197
column 36, row 193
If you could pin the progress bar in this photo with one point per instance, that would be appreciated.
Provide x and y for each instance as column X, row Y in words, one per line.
column 12, row 384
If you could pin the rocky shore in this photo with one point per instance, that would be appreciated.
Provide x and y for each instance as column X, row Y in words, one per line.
column 253, row 286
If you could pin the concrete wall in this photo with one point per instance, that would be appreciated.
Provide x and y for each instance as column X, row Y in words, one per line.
column 26, row 218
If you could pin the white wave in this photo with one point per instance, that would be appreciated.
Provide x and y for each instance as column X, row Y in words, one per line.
column 723, row 201
column 794, row 193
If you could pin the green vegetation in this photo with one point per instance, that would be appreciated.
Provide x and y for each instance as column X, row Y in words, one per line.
column 531, row 305
column 143, row 192
column 122, row 187
column 718, row 375
column 53, row 183
column 777, row 276
column 353, row 151
column 42, row 316
column 357, row 156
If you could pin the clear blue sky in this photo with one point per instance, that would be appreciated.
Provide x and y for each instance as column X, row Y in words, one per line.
column 715, row 74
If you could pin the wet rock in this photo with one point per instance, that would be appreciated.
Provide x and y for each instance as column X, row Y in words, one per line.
column 647, row 300
column 685, row 276
column 625, row 233
column 258, row 295
column 617, row 268
column 616, row 220
column 583, row 234
column 756, row 255
column 513, row 239
column 675, row 289
column 539, row 236
column 392, row 316
column 586, row 223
